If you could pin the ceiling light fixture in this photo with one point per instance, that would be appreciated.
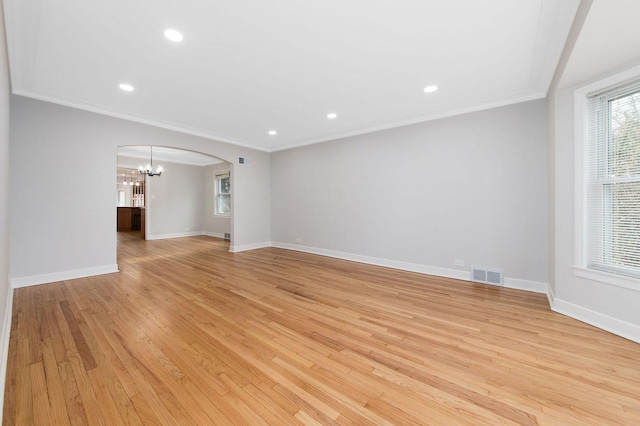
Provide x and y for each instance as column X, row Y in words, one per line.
column 126, row 87
column 332, row 115
column 173, row 35
column 430, row 89
column 148, row 169
column 273, row 132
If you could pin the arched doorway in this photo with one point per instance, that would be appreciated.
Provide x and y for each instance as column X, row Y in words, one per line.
column 191, row 197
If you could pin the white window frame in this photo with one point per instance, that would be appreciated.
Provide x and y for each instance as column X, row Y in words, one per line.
column 581, row 102
column 218, row 175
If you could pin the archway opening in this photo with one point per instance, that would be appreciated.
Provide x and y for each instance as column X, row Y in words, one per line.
column 192, row 196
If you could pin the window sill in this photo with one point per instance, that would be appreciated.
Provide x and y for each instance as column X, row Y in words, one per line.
column 607, row 278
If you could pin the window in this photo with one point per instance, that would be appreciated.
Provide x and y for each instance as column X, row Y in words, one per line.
column 137, row 196
column 223, row 194
column 613, row 181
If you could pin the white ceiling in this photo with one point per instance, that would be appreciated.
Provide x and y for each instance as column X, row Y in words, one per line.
column 247, row 67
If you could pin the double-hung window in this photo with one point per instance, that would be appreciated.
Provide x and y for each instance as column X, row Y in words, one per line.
column 222, row 183
column 613, row 181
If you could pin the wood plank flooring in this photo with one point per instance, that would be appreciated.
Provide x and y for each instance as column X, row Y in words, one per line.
column 190, row 334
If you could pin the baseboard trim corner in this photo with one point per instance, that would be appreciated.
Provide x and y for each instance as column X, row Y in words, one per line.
column 551, row 297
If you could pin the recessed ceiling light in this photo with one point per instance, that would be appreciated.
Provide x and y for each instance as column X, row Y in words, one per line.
column 273, row 132
column 126, row 87
column 430, row 89
column 173, row 35
column 332, row 115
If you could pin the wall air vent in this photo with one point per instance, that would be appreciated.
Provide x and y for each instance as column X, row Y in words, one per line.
column 487, row 276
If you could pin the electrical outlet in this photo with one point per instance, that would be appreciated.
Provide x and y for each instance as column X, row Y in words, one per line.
column 298, row 240
column 458, row 262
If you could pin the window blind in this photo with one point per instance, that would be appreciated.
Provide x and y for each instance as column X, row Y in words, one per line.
column 613, row 181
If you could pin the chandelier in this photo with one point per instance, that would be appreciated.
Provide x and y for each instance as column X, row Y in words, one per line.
column 148, row 169
column 130, row 182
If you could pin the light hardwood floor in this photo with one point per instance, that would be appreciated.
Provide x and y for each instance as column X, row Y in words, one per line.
column 188, row 333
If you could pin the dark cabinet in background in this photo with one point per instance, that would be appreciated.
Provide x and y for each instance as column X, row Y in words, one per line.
column 129, row 218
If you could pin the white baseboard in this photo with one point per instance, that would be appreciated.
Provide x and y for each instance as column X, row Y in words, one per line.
column 405, row 266
column 526, row 285
column 605, row 322
column 4, row 344
column 514, row 283
column 551, row 296
column 253, row 246
column 175, row 235
column 62, row 276
column 214, row 234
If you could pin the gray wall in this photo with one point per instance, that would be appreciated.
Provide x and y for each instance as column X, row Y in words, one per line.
column 214, row 225
column 471, row 187
column 175, row 201
column 62, row 211
column 58, row 209
column 5, row 292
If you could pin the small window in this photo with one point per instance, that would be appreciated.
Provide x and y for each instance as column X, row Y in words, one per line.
column 613, row 181
column 222, row 194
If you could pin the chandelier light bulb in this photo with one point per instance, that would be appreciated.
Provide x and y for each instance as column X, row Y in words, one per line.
column 148, row 169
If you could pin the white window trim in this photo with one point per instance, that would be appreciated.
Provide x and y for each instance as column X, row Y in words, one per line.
column 581, row 96
column 606, row 277
column 215, row 195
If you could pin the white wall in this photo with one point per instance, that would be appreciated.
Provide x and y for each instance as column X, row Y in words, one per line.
column 5, row 291
column 597, row 55
column 214, row 225
column 63, row 218
column 471, row 187
column 175, row 201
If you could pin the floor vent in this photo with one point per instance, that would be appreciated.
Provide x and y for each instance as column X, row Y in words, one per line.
column 487, row 276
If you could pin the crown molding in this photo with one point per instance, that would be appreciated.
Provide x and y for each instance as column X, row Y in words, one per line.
column 454, row 111
column 99, row 109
